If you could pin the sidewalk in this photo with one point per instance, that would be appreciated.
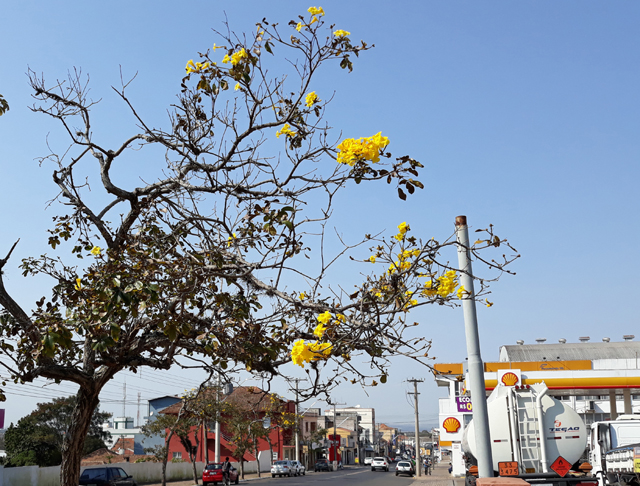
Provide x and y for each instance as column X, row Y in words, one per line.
column 439, row 477
column 190, row 482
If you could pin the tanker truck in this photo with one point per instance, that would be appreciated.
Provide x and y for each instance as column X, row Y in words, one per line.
column 533, row 436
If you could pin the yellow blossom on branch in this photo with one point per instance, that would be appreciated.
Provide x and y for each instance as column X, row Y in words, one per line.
column 366, row 148
column 299, row 26
column 402, row 228
column 96, row 250
column 315, row 10
column 303, row 295
column 462, row 292
column 325, row 317
column 320, row 330
column 311, row 99
column 300, row 353
column 372, row 258
column 286, row 130
column 197, row 67
column 78, row 285
column 341, row 33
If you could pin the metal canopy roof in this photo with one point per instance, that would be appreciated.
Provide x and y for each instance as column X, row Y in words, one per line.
column 570, row 351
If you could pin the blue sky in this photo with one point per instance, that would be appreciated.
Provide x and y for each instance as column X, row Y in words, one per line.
column 525, row 115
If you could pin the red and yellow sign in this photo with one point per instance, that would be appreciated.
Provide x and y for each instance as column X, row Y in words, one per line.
column 451, row 425
column 509, row 379
column 508, row 468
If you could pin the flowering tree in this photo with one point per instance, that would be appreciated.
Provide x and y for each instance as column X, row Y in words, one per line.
column 206, row 259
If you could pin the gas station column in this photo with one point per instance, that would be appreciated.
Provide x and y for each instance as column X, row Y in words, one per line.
column 628, row 409
column 612, row 404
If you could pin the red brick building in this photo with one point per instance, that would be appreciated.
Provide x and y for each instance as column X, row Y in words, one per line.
column 254, row 401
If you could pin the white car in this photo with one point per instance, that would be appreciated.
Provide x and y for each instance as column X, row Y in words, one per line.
column 379, row 463
column 367, row 460
column 283, row 468
column 405, row 467
column 299, row 467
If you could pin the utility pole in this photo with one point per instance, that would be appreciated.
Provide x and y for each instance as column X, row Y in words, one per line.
column 218, row 417
column 297, row 380
column 476, row 367
column 417, row 444
column 335, row 446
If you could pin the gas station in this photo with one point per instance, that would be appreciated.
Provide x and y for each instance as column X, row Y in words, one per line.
column 599, row 380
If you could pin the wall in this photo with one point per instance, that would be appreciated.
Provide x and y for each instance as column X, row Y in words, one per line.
column 143, row 472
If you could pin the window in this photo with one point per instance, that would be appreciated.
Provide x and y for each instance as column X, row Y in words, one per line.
column 313, row 426
column 177, row 455
column 306, row 426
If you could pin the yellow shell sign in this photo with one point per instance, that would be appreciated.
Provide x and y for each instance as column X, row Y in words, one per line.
column 451, row 425
column 509, row 379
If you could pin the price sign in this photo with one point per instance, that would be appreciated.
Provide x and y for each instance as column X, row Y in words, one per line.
column 508, row 468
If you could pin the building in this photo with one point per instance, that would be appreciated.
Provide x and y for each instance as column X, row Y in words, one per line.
column 123, row 432
column 597, row 379
column 279, row 443
column 365, row 418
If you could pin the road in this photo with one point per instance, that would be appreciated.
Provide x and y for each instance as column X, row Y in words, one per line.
column 348, row 476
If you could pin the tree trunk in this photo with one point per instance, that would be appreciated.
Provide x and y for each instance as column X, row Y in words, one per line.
column 78, row 429
column 257, row 459
column 166, row 457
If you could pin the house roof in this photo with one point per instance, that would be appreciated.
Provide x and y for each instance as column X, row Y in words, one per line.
column 245, row 397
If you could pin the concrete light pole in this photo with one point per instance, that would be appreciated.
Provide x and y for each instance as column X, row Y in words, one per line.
column 476, row 367
column 417, row 444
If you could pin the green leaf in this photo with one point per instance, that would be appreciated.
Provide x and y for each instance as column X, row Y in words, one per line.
column 267, row 46
column 383, row 379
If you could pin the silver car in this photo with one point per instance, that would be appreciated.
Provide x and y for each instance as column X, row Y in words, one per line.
column 283, row 468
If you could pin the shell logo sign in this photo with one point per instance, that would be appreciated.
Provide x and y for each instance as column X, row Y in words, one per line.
column 451, row 425
column 509, row 379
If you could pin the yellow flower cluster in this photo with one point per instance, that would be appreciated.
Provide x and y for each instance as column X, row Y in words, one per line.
column 402, row 228
column 315, row 11
column 96, row 250
column 324, row 320
column 307, row 352
column 341, row 33
column 197, row 67
column 286, row 130
column 311, row 99
column 443, row 286
column 236, row 57
column 366, row 148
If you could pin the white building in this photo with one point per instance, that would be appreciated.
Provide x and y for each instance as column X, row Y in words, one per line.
column 366, row 424
column 122, row 428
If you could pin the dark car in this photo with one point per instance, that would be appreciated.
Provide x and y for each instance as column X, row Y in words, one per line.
column 106, row 476
column 213, row 474
column 322, row 465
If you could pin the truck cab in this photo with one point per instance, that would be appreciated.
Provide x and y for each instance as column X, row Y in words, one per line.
column 604, row 436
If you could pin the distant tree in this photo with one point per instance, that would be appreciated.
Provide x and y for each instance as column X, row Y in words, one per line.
column 37, row 438
column 218, row 253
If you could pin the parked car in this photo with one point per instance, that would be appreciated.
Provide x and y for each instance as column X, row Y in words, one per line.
column 212, row 473
column 106, row 476
column 322, row 465
column 299, row 467
column 405, row 467
column 379, row 463
column 283, row 468
column 367, row 460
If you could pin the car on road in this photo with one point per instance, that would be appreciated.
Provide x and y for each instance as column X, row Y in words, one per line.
column 299, row 467
column 367, row 460
column 379, row 463
column 106, row 476
column 405, row 467
column 212, row 474
column 322, row 465
column 283, row 468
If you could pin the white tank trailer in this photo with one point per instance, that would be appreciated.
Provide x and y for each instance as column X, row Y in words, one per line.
column 530, row 428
